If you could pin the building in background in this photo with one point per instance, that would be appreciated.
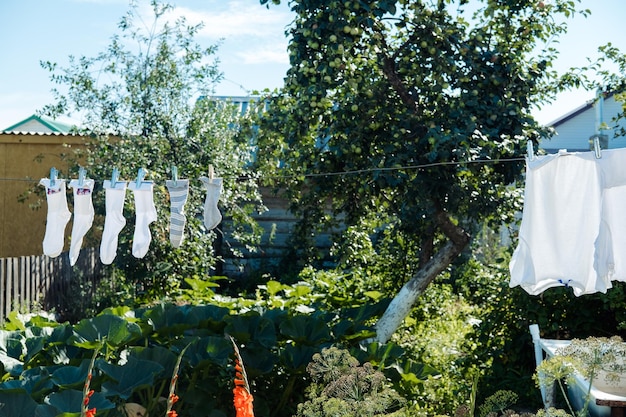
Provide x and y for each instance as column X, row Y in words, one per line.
column 575, row 130
column 38, row 124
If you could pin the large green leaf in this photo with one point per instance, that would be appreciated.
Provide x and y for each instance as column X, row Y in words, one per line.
column 218, row 349
column 297, row 357
column 90, row 333
column 258, row 360
column 12, row 343
column 46, row 410
column 58, row 349
column 71, row 376
column 10, row 364
column 34, row 381
column 129, row 377
column 16, row 404
column 309, row 330
column 251, row 326
column 167, row 319
column 164, row 357
column 34, row 345
column 365, row 312
column 207, row 315
column 71, row 401
column 378, row 354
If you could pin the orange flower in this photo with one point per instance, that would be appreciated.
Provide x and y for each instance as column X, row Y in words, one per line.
column 91, row 413
column 172, row 413
column 243, row 402
column 243, row 398
column 173, row 398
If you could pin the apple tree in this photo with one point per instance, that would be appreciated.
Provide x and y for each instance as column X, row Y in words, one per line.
column 412, row 116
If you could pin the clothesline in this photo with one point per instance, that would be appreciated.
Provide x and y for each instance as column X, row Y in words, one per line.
column 352, row 172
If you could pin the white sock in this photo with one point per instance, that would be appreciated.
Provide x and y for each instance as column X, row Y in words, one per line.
column 83, row 215
column 114, row 221
column 212, row 215
column 57, row 218
column 178, row 190
column 145, row 213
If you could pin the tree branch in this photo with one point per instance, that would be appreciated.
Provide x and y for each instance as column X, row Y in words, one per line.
column 455, row 233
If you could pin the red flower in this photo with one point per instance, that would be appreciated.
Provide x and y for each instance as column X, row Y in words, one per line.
column 172, row 413
column 91, row 413
column 86, row 400
column 173, row 398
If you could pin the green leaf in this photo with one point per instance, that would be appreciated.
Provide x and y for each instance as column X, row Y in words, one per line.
column 90, row 333
column 374, row 295
column 168, row 319
column 11, row 365
column 158, row 354
column 306, row 330
column 46, row 410
column 71, row 401
column 12, row 343
column 274, row 287
column 16, row 404
column 13, row 322
column 207, row 315
column 258, row 360
column 213, row 348
column 129, row 377
column 251, row 326
column 297, row 357
column 71, row 376
column 34, row 381
column 34, row 345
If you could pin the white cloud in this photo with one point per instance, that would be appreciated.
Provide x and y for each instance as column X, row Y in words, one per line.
column 237, row 18
column 276, row 54
column 252, row 33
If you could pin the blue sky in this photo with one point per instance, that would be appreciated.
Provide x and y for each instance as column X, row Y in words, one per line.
column 252, row 54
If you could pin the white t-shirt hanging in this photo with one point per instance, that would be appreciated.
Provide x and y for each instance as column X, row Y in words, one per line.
column 612, row 242
column 560, row 225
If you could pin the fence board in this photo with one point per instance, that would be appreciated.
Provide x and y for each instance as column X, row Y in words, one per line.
column 28, row 282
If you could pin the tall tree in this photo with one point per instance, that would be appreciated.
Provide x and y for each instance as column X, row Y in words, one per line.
column 146, row 101
column 413, row 113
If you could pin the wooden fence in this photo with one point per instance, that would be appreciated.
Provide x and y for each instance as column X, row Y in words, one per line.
column 41, row 282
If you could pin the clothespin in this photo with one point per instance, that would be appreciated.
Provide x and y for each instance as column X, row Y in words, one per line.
column 141, row 174
column 175, row 174
column 81, row 176
column 596, row 147
column 530, row 150
column 211, row 172
column 53, row 176
column 114, row 176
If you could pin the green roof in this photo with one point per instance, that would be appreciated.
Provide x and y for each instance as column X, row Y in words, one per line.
column 53, row 125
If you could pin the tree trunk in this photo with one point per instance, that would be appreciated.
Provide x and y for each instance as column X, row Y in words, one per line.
column 403, row 302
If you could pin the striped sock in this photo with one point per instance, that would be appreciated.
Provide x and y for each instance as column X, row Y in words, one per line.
column 178, row 190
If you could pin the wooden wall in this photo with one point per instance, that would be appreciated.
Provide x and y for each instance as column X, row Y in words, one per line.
column 25, row 158
column 278, row 224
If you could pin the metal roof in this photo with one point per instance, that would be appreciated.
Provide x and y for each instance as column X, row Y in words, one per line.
column 54, row 125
